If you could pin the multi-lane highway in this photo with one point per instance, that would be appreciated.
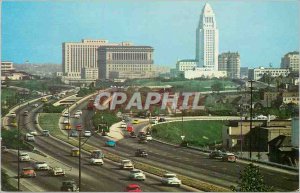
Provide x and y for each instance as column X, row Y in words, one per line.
column 189, row 162
column 94, row 178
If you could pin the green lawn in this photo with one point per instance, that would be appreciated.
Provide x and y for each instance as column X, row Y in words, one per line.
column 49, row 121
column 197, row 133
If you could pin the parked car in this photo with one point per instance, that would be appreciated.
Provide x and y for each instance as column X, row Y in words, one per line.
column 136, row 174
column 45, row 133
column 29, row 137
column 41, row 166
column 230, row 157
column 141, row 153
column 110, row 143
column 170, row 179
column 87, row 134
column 97, row 154
column 96, row 161
column 74, row 133
column 126, row 164
column 216, row 154
column 133, row 188
column 24, row 157
column 69, row 186
column 57, row 171
column 28, row 172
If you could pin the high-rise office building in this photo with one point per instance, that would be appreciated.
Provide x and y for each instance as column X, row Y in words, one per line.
column 230, row 62
column 125, row 62
column 291, row 61
column 79, row 55
column 207, row 40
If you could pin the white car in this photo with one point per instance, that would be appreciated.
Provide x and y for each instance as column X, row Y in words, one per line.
column 87, row 134
column 136, row 174
column 96, row 161
column 126, row 164
column 149, row 137
column 33, row 133
column 79, row 112
column 76, row 115
column 170, row 179
column 57, row 171
column 35, row 105
column 41, row 166
column 66, row 121
column 66, row 114
column 123, row 125
column 24, row 157
column 29, row 137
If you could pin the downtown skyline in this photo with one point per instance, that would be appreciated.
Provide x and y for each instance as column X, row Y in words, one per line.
column 262, row 32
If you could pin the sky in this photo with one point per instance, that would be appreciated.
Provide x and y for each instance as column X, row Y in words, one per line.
column 262, row 31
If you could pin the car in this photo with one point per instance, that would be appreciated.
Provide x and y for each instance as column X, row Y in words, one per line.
column 13, row 114
column 74, row 133
column 143, row 140
column 76, row 116
column 141, row 153
column 96, row 161
column 4, row 149
column 68, row 126
column 132, row 134
column 133, row 188
column 126, row 164
column 216, row 154
column 149, row 137
column 35, row 105
column 170, row 179
column 25, row 113
column 57, row 171
column 161, row 119
column 33, row 133
column 230, row 157
column 29, row 137
column 66, row 114
column 87, row 134
column 46, row 133
column 110, row 143
column 41, row 165
column 79, row 112
column 28, row 172
column 123, row 125
column 66, row 121
column 136, row 174
column 24, row 157
column 141, row 134
column 97, row 154
column 135, row 121
column 69, row 186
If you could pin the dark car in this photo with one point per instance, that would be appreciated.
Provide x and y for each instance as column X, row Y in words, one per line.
column 161, row 119
column 216, row 154
column 74, row 133
column 132, row 135
column 69, row 186
column 45, row 133
column 143, row 140
column 141, row 153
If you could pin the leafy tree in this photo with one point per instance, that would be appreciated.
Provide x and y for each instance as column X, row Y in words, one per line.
column 218, row 86
column 251, row 180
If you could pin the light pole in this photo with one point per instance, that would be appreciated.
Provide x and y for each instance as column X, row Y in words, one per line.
column 19, row 139
column 251, row 108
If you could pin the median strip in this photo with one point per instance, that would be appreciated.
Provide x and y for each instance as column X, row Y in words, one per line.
column 59, row 134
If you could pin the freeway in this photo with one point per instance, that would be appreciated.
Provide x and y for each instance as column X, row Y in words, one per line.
column 94, row 178
column 189, row 162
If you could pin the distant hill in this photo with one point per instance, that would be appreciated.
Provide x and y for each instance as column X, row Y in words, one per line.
column 44, row 70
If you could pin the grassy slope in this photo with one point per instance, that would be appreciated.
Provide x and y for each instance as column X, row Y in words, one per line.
column 198, row 133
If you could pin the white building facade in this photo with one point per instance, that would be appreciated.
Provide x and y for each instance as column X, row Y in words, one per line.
column 257, row 73
column 291, row 61
column 183, row 65
column 207, row 40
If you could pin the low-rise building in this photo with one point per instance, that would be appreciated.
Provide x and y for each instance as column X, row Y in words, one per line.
column 257, row 73
column 89, row 73
column 290, row 97
column 7, row 66
column 204, row 73
column 187, row 64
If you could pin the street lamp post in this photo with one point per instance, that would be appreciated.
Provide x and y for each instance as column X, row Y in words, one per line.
column 79, row 160
column 19, row 139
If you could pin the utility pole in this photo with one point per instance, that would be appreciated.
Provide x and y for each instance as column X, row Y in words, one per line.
column 251, row 108
column 19, row 149
column 79, row 160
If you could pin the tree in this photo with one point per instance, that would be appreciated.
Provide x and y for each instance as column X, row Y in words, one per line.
column 218, row 86
column 251, row 180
